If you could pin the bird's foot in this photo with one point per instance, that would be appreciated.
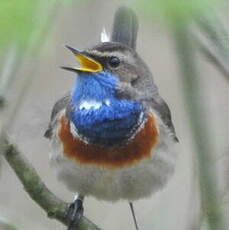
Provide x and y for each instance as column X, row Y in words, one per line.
column 75, row 212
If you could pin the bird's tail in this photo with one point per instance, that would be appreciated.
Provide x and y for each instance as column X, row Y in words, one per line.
column 125, row 27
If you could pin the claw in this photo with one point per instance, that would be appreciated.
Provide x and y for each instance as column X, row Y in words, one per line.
column 75, row 213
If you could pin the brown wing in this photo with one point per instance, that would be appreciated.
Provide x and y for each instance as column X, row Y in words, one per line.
column 162, row 108
column 58, row 106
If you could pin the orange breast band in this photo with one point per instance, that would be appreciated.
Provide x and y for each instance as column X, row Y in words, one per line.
column 135, row 150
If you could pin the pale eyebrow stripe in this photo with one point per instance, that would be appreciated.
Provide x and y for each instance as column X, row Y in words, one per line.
column 107, row 54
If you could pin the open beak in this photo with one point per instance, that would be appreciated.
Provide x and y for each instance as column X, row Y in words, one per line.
column 87, row 64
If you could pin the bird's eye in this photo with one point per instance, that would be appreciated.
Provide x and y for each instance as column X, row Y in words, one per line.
column 114, row 62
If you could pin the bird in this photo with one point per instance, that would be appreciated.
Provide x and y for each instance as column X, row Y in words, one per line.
column 112, row 135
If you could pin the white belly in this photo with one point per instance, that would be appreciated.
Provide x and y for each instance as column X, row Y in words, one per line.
column 129, row 183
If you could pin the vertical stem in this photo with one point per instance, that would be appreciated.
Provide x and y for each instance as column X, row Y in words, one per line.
column 11, row 65
column 196, row 111
column 216, row 32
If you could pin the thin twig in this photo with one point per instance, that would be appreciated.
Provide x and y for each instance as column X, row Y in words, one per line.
column 215, row 31
column 11, row 64
column 37, row 190
column 213, row 57
column 216, row 44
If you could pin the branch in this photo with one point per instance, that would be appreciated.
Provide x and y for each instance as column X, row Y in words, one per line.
column 52, row 205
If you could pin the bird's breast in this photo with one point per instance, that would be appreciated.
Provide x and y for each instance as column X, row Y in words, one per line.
column 129, row 153
column 110, row 122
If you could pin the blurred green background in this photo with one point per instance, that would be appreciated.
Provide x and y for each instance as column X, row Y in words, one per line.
column 32, row 39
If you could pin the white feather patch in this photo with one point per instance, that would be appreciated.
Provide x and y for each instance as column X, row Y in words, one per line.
column 104, row 36
column 107, row 102
column 90, row 105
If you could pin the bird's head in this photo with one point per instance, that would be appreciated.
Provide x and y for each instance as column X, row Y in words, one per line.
column 113, row 65
column 101, row 99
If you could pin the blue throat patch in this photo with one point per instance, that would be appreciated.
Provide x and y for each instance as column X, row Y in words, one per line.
column 105, row 120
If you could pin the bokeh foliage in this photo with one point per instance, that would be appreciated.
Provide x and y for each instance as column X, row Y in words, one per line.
column 174, row 10
column 19, row 19
column 23, row 22
column 181, row 15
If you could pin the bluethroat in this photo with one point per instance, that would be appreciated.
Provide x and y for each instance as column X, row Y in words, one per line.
column 112, row 135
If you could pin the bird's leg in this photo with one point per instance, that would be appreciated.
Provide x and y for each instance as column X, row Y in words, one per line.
column 75, row 212
column 134, row 216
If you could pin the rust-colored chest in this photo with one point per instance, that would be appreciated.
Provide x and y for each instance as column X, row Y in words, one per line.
column 135, row 150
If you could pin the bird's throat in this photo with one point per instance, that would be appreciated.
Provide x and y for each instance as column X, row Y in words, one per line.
column 98, row 116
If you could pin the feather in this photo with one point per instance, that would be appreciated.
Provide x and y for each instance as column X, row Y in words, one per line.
column 125, row 27
column 104, row 36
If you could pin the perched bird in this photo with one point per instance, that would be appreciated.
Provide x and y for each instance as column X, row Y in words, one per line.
column 112, row 136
